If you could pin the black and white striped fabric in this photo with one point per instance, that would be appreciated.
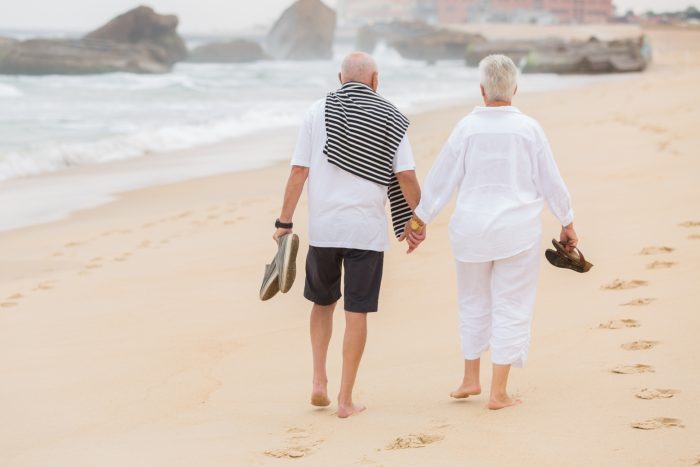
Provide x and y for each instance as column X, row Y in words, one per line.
column 364, row 132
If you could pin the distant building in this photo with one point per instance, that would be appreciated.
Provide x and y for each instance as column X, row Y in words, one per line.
column 358, row 12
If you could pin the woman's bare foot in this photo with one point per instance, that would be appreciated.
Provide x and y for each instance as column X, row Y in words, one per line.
column 501, row 402
column 345, row 411
column 466, row 390
column 319, row 396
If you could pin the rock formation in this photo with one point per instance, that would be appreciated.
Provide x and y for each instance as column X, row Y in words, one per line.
column 305, row 31
column 139, row 41
column 560, row 56
column 417, row 40
column 142, row 25
column 236, row 51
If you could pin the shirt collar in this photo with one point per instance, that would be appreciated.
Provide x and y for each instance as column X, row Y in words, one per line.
column 350, row 84
column 505, row 108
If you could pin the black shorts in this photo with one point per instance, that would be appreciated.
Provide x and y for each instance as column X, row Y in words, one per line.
column 363, row 277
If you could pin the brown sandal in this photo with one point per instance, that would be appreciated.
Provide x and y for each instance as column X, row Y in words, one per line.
column 568, row 260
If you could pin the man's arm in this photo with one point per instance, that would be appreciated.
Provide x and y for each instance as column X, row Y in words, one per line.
column 295, row 185
column 411, row 191
column 409, row 187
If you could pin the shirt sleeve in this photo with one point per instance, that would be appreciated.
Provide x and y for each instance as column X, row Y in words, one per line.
column 444, row 177
column 403, row 160
column 550, row 184
column 302, row 152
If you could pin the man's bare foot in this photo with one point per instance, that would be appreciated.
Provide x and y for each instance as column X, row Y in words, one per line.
column 345, row 411
column 319, row 396
column 466, row 390
column 496, row 403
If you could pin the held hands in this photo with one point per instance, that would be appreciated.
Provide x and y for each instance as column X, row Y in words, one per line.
column 568, row 237
column 413, row 237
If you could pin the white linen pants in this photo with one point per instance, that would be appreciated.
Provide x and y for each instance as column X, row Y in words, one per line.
column 496, row 299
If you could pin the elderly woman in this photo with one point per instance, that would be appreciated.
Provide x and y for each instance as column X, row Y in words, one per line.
column 499, row 161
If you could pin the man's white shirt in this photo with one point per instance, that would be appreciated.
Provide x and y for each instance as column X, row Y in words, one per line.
column 501, row 163
column 345, row 211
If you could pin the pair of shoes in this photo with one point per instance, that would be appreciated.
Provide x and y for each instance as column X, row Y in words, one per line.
column 569, row 260
column 281, row 272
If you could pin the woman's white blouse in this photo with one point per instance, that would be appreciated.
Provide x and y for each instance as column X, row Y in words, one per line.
column 501, row 163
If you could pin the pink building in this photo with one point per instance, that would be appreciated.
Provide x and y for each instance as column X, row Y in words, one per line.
column 563, row 11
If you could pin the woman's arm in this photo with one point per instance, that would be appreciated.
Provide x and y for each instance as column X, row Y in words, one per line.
column 444, row 177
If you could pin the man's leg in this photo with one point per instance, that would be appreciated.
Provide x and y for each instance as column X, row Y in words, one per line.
column 321, row 327
column 353, row 348
column 474, row 292
column 323, row 272
column 363, row 279
column 514, row 290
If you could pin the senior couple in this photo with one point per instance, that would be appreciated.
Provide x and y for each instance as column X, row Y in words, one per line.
column 354, row 151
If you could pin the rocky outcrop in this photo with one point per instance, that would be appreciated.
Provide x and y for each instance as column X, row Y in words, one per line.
column 417, row 40
column 305, row 31
column 236, row 51
column 575, row 56
column 593, row 56
column 142, row 25
column 139, row 41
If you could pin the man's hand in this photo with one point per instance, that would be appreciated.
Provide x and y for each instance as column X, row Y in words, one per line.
column 568, row 237
column 413, row 237
column 280, row 233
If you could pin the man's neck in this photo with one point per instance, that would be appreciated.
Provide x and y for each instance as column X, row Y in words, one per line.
column 498, row 104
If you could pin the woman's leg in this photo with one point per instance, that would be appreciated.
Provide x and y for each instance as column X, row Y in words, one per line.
column 513, row 294
column 474, row 291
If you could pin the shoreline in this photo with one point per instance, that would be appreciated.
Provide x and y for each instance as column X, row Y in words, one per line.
column 55, row 196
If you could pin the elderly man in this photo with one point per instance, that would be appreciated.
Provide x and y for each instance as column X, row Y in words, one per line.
column 500, row 162
column 353, row 148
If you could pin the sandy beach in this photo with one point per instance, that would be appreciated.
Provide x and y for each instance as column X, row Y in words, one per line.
column 132, row 334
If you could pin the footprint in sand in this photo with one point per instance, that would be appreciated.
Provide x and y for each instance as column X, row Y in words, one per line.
column 640, row 345
column 619, row 284
column 619, row 324
column 632, row 369
column 411, row 441
column 8, row 304
column 639, row 302
column 45, row 285
column 656, row 423
column 661, row 265
column 93, row 266
column 690, row 224
column 656, row 250
column 73, row 244
column 648, row 394
column 694, row 237
column 300, row 445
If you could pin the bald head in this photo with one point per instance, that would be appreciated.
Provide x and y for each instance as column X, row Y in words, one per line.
column 359, row 67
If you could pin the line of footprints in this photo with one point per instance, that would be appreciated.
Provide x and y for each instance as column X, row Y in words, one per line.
column 617, row 284
column 132, row 241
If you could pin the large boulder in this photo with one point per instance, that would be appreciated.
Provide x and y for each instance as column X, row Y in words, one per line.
column 142, row 25
column 305, row 31
column 556, row 55
column 140, row 41
column 592, row 56
column 416, row 40
column 236, row 51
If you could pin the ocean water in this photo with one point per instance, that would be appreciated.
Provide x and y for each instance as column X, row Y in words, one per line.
column 52, row 123
column 71, row 127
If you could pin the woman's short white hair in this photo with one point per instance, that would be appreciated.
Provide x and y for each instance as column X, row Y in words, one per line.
column 499, row 77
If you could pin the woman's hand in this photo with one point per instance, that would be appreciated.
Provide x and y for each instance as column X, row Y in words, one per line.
column 568, row 237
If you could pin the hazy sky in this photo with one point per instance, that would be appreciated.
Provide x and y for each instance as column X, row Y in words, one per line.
column 195, row 15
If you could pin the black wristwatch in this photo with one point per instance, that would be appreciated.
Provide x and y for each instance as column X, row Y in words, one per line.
column 283, row 225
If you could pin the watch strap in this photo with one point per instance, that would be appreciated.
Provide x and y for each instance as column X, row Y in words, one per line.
column 283, row 225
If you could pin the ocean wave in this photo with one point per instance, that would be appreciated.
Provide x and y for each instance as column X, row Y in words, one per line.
column 50, row 157
column 9, row 92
